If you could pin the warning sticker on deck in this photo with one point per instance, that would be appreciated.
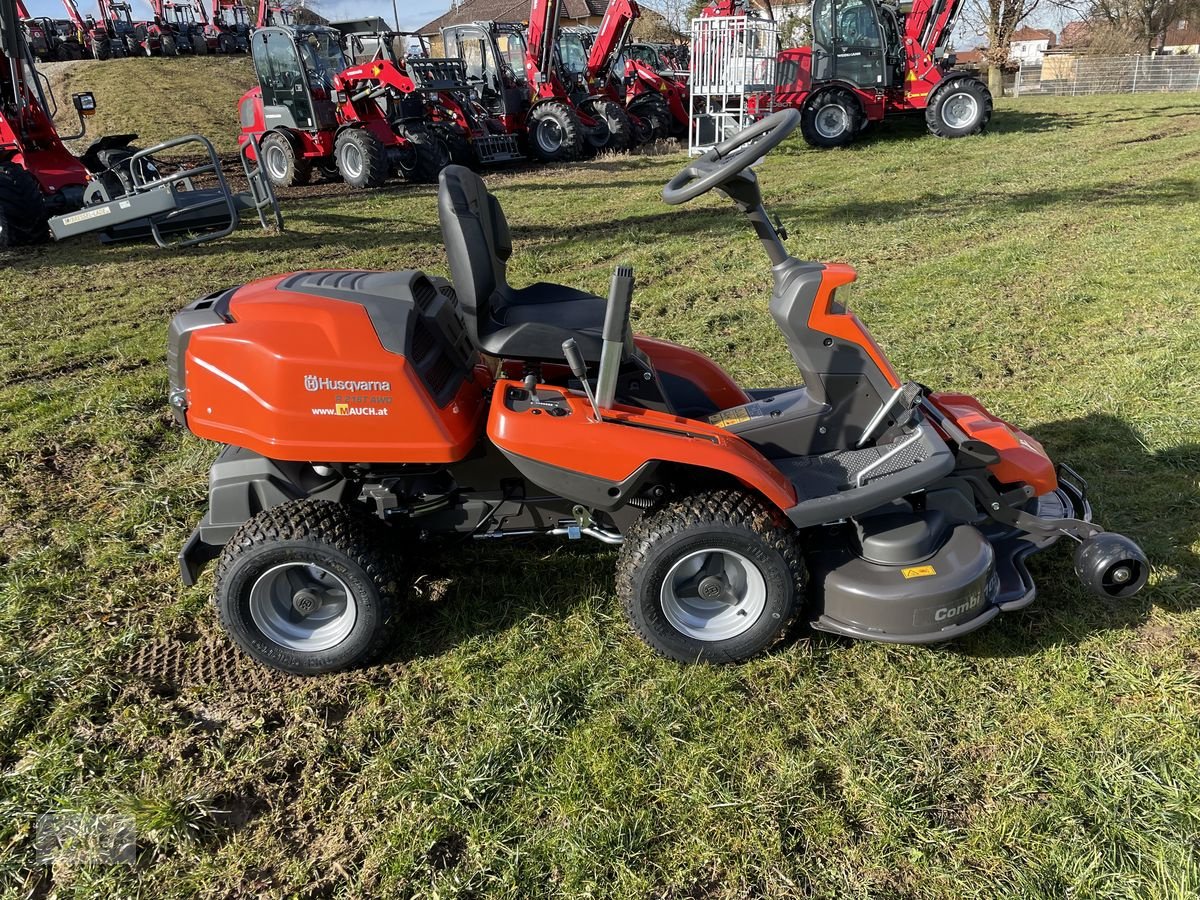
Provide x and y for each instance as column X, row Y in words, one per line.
column 918, row 572
column 727, row 417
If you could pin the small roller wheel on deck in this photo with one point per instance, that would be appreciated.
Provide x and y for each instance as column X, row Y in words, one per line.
column 1111, row 565
column 715, row 577
column 308, row 587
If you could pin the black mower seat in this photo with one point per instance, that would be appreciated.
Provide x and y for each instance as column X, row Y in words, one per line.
column 526, row 323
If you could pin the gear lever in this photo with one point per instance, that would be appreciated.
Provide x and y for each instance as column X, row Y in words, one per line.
column 575, row 360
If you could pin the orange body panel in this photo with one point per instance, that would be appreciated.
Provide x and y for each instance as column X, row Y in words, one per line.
column 615, row 448
column 1022, row 459
column 672, row 359
column 299, row 377
column 846, row 325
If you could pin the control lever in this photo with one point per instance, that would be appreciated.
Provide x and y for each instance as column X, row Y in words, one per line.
column 616, row 323
column 574, row 357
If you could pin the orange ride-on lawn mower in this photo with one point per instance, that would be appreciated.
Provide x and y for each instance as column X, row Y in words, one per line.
column 308, row 112
column 367, row 413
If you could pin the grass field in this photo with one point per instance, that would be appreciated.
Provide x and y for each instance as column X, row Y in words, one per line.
column 518, row 740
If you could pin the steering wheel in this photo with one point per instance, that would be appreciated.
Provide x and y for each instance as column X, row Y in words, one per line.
column 725, row 161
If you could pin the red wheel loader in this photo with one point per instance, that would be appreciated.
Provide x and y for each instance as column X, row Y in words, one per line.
column 512, row 71
column 231, row 20
column 309, row 113
column 140, row 38
column 369, row 417
column 50, row 40
column 98, row 38
column 871, row 59
column 422, row 88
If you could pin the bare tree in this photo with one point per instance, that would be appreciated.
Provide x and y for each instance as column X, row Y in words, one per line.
column 998, row 20
column 1140, row 22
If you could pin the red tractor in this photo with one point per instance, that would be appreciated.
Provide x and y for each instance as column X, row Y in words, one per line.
column 871, row 59
column 99, row 40
column 420, row 86
column 231, row 20
column 140, row 38
column 50, row 40
column 646, row 90
column 512, row 70
column 311, row 110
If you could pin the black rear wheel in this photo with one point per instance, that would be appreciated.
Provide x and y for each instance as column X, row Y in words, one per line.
column 425, row 155
column 279, row 160
column 102, row 49
column 22, row 209
column 714, row 577
column 169, row 47
column 554, row 132
column 959, row 107
column 831, row 118
column 620, row 128
column 308, row 587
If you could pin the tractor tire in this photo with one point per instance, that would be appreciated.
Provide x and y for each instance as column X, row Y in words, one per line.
column 713, row 577
column 657, row 117
column 69, row 51
column 361, row 158
column 279, row 160
column 169, row 47
column 200, row 45
column 554, row 133
column 620, row 128
column 227, row 43
column 831, row 118
column 424, row 157
column 22, row 209
column 461, row 151
column 308, row 587
column 959, row 107
column 102, row 49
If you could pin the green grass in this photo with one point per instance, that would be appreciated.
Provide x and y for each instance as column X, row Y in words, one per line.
column 518, row 740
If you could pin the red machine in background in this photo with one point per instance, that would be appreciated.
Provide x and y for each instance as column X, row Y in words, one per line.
column 512, row 69
column 98, row 38
column 50, row 40
column 312, row 110
column 421, row 89
column 272, row 14
column 231, row 19
column 871, row 59
column 139, row 38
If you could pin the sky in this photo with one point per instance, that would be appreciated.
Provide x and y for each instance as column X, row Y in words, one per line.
column 412, row 12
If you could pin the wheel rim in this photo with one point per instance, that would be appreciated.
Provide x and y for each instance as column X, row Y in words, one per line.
column 960, row 110
column 302, row 606
column 713, row 595
column 276, row 162
column 832, row 121
column 549, row 136
column 352, row 161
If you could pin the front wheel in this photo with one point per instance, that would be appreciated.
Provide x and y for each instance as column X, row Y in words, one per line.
column 307, row 588
column 361, row 158
column 424, row 154
column 959, row 107
column 22, row 209
column 620, row 127
column 831, row 118
column 169, row 47
column 554, row 132
column 715, row 577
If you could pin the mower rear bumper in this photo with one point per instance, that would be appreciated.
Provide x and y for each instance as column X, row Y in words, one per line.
column 194, row 556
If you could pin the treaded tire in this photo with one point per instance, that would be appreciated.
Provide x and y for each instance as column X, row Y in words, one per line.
column 285, row 168
column 345, row 543
column 544, row 121
column 936, row 111
column 102, row 49
column 820, row 105
column 620, row 128
column 361, row 158
column 199, row 45
column 719, row 519
column 226, row 43
column 657, row 115
column 425, row 157
column 22, row 209
column 169, row 47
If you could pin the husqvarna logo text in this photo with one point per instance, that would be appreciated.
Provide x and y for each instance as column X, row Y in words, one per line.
column 317, row 383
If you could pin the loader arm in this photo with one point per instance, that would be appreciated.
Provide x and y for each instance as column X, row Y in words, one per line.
column 541, row 39
column 926, row 32
column 74, row 16
column 611, row 39
column 380, row 71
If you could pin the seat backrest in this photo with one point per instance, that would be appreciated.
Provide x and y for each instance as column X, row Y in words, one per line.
column 478, row 245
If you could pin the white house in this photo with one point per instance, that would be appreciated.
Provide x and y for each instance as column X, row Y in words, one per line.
column 1029, row 45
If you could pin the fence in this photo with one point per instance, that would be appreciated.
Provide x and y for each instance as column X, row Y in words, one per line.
column 732, row 63
column 1108, row 75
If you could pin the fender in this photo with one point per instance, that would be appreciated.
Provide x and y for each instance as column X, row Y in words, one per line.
column 602, row 463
